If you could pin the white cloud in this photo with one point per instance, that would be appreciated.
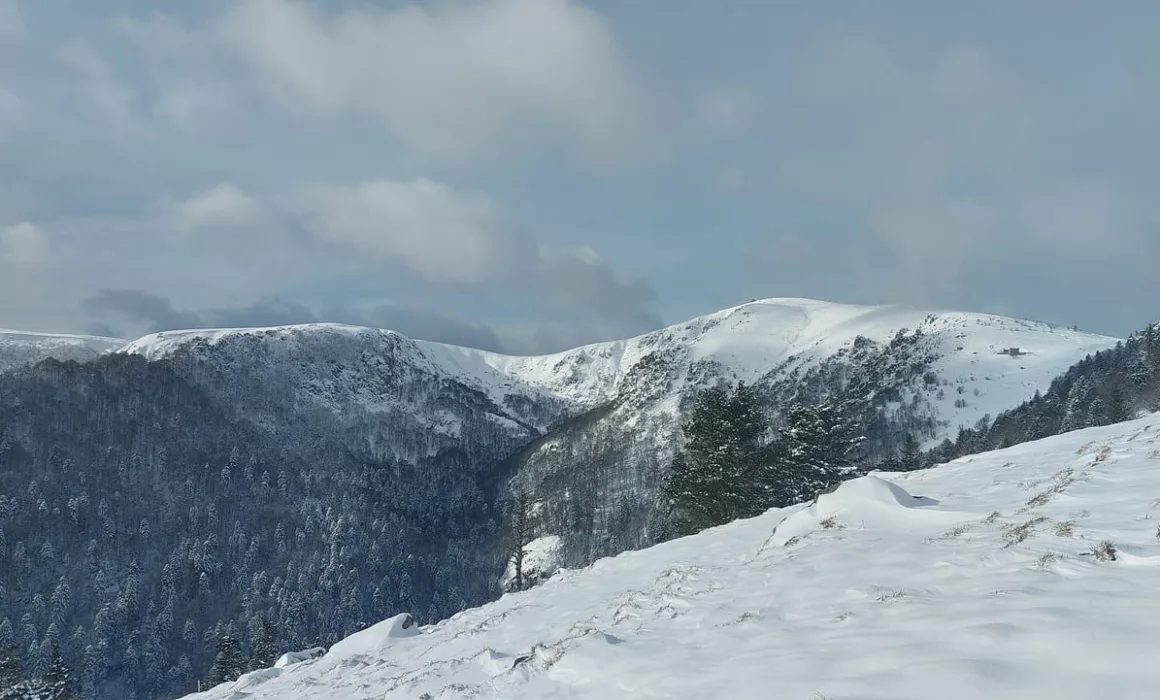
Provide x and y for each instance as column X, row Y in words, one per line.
column 22, row 244
column 444, row 235
column 943, row 159
column 224, row 203
column 450, row 78
column 189, row 90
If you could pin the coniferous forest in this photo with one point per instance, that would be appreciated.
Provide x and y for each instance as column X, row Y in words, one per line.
column 149, row 538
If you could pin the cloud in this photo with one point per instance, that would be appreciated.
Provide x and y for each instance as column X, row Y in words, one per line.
column 443, row 235
column 153, row 310
column 222, row 203
column 943, row 170
column 466, row 240
column 454, row 78
column 22, row 244
column 112, row 98
column 408, row 241
column 190, row 87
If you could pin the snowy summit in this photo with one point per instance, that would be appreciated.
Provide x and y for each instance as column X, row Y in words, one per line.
column 1026, row 573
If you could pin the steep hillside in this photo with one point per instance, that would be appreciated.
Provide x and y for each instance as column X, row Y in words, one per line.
column 1028, row 573
column 280, row 488
column 755, row 341
column 24, row 348
column 901, row 372
column 614, row 409
column 1110, row 386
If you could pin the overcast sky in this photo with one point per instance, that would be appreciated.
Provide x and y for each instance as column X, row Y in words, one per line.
column 533, row 174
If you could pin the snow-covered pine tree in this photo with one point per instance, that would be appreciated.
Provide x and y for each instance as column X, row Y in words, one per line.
column 11, row 670
column 1118, row 409
column 229, row 663
column 813, row 452
column 57, row 682
column 911, row 457
column 718, row 478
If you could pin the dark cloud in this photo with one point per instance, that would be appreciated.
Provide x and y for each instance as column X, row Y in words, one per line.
column 145, row 308
column 104, row 330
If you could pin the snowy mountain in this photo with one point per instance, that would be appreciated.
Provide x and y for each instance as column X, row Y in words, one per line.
column 23, row 347
column 1028, row 572
column 286, row 486
column 600, row 422
column 753, row 342
column 903, row 372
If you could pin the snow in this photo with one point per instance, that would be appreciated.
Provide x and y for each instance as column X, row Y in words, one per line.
column 375, row 639
column 973, row 580
column 296, row 657
column 750, row 340
column 753, row 339
column 541, row 560
column 23, row 347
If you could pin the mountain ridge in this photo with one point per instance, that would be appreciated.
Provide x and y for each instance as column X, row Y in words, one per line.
column 750, row 339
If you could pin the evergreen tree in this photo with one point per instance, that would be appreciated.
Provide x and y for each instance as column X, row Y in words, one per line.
column 11, row 671
column 1118, row 410
column 815, row 452
column 718, row 477
column 57, row 682
column 229, row 664
column 911, row 457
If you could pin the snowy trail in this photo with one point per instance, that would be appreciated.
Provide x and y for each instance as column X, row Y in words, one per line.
column 972, row 580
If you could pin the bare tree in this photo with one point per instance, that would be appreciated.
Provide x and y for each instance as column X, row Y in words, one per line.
column 521, row 533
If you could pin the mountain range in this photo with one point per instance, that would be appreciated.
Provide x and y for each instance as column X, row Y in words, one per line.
column 290, row 485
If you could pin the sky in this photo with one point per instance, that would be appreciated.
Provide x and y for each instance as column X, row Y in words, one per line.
column 531, row 175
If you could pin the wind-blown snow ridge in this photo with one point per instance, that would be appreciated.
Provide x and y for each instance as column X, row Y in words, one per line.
column 977, row 579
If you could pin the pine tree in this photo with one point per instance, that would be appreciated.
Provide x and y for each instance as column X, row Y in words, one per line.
column 262, row 651
column 57, row 681
column 911, row 457
column 1118, row 410
column 11, row 671
column 229, row 664
column 815, row 452
column 718, row 477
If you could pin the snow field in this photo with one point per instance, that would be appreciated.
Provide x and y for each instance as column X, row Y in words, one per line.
column 983, row 578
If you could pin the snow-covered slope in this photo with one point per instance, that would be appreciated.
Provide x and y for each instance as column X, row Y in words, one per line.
column 753, row 339
column 382, row 351
column 24, row 347
column 979, row 579
column 746, row 342
column 599, row 423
